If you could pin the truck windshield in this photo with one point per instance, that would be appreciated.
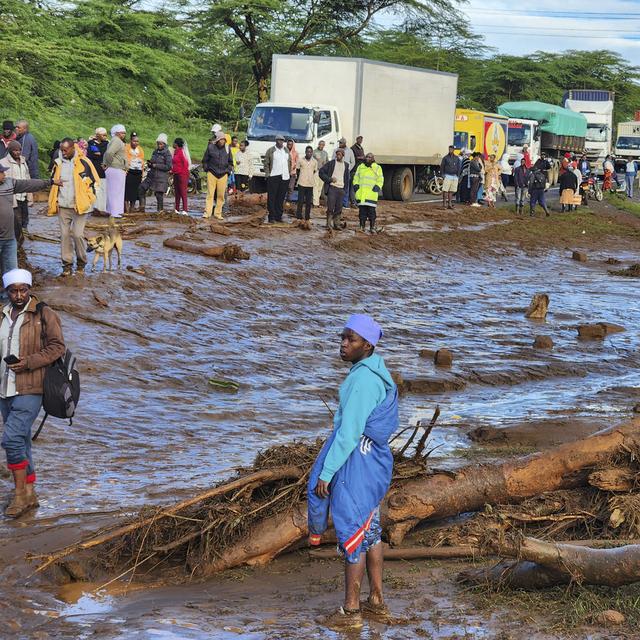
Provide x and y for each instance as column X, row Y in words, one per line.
column 290, row 122
column 628, row 142
column 460, row 139
column 519, row 134
column 597, row 133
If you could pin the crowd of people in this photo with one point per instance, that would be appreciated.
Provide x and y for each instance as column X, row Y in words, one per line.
column 110, row 174
column 470, row 179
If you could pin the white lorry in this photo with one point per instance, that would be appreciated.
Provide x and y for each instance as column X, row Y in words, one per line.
column 405, row 115
column 628, row 140
column 597, row 107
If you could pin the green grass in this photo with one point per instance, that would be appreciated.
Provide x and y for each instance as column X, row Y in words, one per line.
column 565, row 608
column 622, row 202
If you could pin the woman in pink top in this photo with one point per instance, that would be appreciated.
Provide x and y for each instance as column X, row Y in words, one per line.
column 180, row 171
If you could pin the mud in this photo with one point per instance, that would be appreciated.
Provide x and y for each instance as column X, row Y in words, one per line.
column 151, row 430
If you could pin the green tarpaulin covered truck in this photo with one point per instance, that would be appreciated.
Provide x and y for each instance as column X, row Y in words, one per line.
column 545, row 128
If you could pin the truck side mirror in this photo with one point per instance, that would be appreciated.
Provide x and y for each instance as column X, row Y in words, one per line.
column 536, row 134
column 472, row 143
column 242, row 112
column 316, row 117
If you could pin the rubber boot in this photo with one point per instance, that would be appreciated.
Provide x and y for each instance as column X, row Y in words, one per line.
column 329, row 217
column 20, row 503
column 143, row 205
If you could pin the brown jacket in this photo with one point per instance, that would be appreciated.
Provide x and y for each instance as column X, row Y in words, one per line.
column 38, row 354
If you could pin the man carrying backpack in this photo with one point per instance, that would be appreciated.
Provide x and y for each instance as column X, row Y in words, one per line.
column 26, row 349
column 537, row 185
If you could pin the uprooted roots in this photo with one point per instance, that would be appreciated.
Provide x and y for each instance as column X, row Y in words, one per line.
column 200, row 533
column 196, row 535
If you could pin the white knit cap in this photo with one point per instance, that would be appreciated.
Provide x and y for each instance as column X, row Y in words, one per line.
column 215, row 128
column 162, row 138
column 101, row 131
column 118, row 128
column 16, row 276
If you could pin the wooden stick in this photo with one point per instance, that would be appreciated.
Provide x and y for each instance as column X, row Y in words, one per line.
column 263, row 475
column 411, row 553
column 427, row 432
column 461, row 551
column 65, row 309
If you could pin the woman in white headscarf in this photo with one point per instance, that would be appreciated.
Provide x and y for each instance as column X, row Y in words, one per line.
column 157, row 179
column 115, row 162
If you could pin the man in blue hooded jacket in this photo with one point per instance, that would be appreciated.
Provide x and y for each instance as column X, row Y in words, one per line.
column 353, row 471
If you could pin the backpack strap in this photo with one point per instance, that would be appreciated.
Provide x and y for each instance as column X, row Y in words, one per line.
column 39, row 429
column 43, row 333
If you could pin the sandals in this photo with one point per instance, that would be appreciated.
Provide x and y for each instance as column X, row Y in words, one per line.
column 343, row 620
column 377, row 612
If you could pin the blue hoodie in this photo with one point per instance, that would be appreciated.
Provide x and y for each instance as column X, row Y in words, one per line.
column 361, row 392
column 356, row 460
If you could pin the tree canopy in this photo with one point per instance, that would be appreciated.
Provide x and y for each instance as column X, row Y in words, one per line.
column 71, row 66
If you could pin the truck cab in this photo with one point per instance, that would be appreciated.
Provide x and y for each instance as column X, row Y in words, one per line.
column 521, row 131
column 628, row 141
column 304, row 124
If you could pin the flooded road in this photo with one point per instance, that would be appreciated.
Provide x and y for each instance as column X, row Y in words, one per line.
column 151, row 429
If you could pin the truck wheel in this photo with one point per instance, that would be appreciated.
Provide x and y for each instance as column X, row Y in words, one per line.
column 402, row 184
column 387, row 191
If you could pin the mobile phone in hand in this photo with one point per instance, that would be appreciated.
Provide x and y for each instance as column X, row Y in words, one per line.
column 12, row 359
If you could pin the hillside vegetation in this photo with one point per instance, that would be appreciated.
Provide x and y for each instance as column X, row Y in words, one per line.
column 177, row 67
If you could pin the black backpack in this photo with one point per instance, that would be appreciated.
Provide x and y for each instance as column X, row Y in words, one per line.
column 61, row 386
column 539, row 179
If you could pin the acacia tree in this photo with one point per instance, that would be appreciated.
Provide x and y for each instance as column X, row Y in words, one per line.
column 264, row 27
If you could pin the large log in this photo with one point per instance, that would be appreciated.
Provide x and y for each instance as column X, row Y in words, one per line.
column 447, row 494
column 440, row 495
column 228, row 252
column 542, row 564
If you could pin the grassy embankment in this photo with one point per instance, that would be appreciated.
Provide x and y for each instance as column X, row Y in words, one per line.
column 622, row 202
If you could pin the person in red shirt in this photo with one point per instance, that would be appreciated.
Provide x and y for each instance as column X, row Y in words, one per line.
column 526, row 157
column 180, row 170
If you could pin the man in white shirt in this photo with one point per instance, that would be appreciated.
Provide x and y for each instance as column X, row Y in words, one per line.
column 277, row 171
column 19, row 170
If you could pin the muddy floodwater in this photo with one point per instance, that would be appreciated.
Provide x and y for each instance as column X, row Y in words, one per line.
column 151, row 429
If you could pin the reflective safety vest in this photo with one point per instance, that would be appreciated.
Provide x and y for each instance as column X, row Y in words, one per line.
column 367, row 178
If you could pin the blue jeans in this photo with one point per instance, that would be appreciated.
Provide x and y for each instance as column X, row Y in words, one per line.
column 536, row 196
column 629, row 178
column 19, row 414
column 8, row 255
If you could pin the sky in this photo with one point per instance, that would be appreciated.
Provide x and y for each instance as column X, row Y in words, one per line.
column 549, row 25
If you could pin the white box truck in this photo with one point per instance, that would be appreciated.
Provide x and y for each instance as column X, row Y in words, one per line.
column 628, row 140
column 597, row 107
column 405, row 115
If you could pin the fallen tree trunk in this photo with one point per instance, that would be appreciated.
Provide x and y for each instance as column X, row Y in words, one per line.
column 247, row 199
column 427, row 496
column 447, row 494
column 227, row 252
column 542, row 564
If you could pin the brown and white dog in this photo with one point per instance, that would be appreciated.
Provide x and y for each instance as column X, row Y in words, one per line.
column 104, row 244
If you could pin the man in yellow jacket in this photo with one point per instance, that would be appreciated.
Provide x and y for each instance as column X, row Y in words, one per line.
column 367, row 183
column 72, row 201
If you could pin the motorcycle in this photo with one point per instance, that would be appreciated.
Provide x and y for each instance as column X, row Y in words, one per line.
column 195, row 182
column 430, row 182
column 591, row 189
